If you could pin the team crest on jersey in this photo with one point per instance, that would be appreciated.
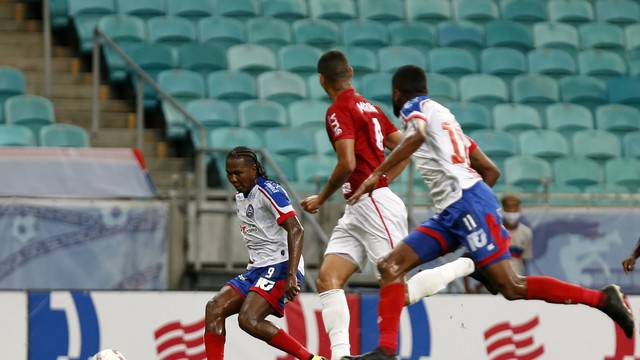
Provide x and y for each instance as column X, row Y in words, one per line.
column 250, row 211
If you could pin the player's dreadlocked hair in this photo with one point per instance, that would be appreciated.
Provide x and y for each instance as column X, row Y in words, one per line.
column 250, row 156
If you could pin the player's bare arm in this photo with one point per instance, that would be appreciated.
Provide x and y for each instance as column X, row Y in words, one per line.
column 345, row 166
column 391, row 142
column 295, row 241
column 481, row 163
column 629, row 263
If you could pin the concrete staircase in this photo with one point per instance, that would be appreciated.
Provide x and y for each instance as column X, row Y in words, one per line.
column 21, row 46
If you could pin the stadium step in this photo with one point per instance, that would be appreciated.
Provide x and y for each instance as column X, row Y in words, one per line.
column 83, row 119
column 34, row 51
column 111, row 105
column 37, row 63
column 62, row 91
column 7, row 10
column 20, row 38
column 107, row 137
column 165, row 179
column 166, row 164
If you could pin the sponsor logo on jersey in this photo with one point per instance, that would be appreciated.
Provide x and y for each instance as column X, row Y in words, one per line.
column 364, row 106
column 247, row 229
column 335, row 125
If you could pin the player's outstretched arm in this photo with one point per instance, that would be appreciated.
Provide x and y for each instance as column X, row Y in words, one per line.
column 484, row 166
column 295, row 241
column 629, row 263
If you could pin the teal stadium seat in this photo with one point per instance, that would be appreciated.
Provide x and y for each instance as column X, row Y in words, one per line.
column 620, row 12
column 584, row 90
column 153, row 59
column 211, row 114
column 308, row 113
column 183, row 85
column 366, row 33
column 124, row 30
column 624, row 90
column 567, row 119
column 415, row 34
column 442, row 88
column 624, row 172
column 64, row 135
column 556, row 35
column 471, row 116
column 510, row 34
column 16, row 135
column 552, row 62
column 476, row 10
column 323, row 144
column 193, row 10
column 452, row 61
column 601, row 36
column 516, row 118
column 288, row 10
column 463, row 34
column 314, row 89
column 171, row 30
column 535, row 89
column 334, row 10
column 362, row 60
column 59, row 14
column 570, row 11
column 596, row 144
column 633, row 58
column 503, row 61
column 221, row 31
column 632, row 33
column 262, row 114
column 577, row 171
column 230, row 137
column 497, row 145
column 315, row 168
column 384, row 11
column 485, row 89
column 428, row 10
column 290, row 142
column 251, row 58
column 300, row 59
column 319, row 33
column 601, row 63
column 286, row 166
column 631, row 144
column 377, row 87
column 12, row 83
column 144, row 9
column 269, row 32
column 545, row 144
column 281, row 86
column 526, row 11
column 617, row 118
column 85, row 15
column 527, row 172
column 202, row 58
column 31, row 111
column 394, row 57
column 239, row 9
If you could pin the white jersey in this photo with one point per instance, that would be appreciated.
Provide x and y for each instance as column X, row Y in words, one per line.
column 261, row 214
column 443, row 158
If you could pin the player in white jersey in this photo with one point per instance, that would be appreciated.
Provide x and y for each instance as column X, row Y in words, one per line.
column 274, row 236
column 468, row 214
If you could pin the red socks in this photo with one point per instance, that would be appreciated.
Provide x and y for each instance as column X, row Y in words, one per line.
column 558, row 292
column 291, row 346
column 389, row 310
column 214, row 346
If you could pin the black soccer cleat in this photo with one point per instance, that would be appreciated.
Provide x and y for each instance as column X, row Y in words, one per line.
column 479, row 276
column 376, row 354
column 617, row 309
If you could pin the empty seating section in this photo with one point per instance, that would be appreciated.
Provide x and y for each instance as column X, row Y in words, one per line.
column 549, row 89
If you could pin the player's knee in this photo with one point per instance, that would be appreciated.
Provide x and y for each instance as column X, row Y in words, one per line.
column 326, row 283
column 213, row 311
column 247, row 322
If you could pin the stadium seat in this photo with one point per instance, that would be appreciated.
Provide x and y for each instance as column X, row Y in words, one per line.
column 570, row 11
column 16, row 135
column 428, row 10
column 528, row 11
column 568, row 118
column 12, row 83
column 300, row 59
column 171, row 30
column 59, row 14
column 497, row 145
column 471, row 116
column 516, row 118
column 377, row 87
column 633, row 58
column 485, row 89
column 251, row 58
column 546, row 144
column 534, row 88
column 334, row 10
column 382, row 10
column 144, row 9
column 577, row 171
column 291, row 142
column 262, row 114
column 269, row 32
column 601, row 63
column 31, row 111
column 308, row 113
column 315, row 168
column 527, row 171
column 153, row 59
column 553, row 62
column 462, row 34
column 394, row 57
column 212, row 113
column 624, row 172
column 441, row 87
column 281, row 86
column 314, row 89
column 365, row 33
column 362, row 60
column 64, row 135
column 584, row 90
column 632, row 33
column 287, row 166
column 510, row 34
column 620, row 12
column 555, row 35
column 476, row 10
column 183, row 85
column 202, row 58
column 624, row 90
column 503, row 61
column 124, row 30
column 601, row 36
column 240, row 9
column 221, row 31
column 322, row 142
column 288, row 10
column 193, row 10
column 617, row 118
column 230, row 137
column 631, row 144
column 316, row 32
column 596, row 144
column 85, row 15
column 415, row 34
column 452, row 61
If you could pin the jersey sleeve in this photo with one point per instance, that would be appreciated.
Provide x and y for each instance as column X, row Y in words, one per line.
column 276, row 201
column 339, row 125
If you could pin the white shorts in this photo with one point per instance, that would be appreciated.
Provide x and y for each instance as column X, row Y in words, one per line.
column 370, row 228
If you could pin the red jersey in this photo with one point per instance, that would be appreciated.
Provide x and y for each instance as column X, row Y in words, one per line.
column 352, row 116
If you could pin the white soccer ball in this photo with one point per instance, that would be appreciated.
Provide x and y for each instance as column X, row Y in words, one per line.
column 109, row 354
